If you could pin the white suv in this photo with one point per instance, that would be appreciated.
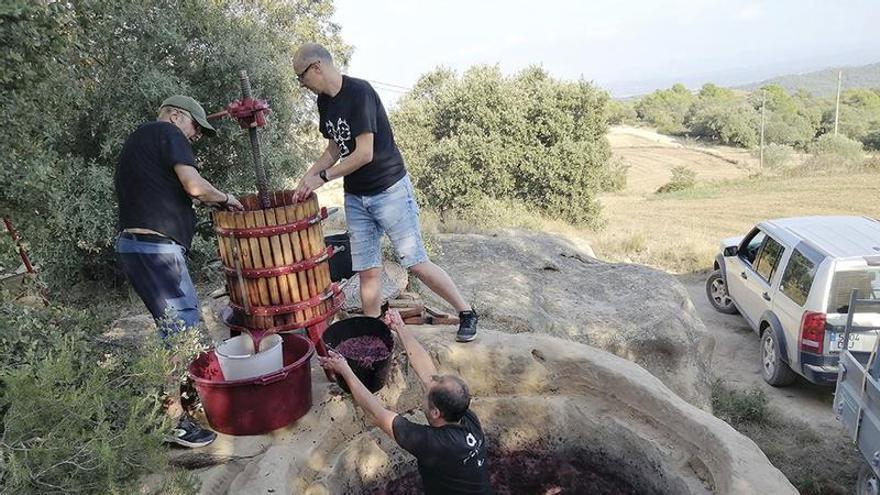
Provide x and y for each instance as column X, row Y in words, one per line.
column 791, row 279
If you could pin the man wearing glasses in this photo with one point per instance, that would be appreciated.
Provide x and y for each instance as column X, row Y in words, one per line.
column 379, row 196
column 156, row 181
column 451, row 448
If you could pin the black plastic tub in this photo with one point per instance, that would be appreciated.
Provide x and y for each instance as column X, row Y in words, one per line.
column 340, row 262
column 374, row 377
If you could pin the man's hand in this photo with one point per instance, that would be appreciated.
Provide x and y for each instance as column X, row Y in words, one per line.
column 308, row 184
column 232, row 203
column 394, row 321
column 334, row 362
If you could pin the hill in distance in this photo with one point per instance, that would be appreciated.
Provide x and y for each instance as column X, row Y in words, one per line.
column 824, row 82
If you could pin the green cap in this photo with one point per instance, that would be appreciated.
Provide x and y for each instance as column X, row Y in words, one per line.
column 194, row 108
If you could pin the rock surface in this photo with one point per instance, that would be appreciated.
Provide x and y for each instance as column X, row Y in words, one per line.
column 531, row 392
column 524, row 282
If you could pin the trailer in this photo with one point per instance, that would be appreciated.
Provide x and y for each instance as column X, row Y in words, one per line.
column 857, row 397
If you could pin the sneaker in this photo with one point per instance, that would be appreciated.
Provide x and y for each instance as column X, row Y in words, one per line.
column 467, row 326
column 189, row 434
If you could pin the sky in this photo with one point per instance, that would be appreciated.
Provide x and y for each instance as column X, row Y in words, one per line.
column 628, row 47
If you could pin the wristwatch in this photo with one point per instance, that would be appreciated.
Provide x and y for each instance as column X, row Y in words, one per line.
column 323, row 175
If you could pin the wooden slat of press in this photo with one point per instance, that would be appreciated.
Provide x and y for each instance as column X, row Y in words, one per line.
column 276, row 216
column 306, row 246
column 268, row 258
column 309, row 209
column 257, row 262
column 294, row 214
column 231, row 244
column 322, row 271
column 244, row 253
column 289, row 256
column 325, row 267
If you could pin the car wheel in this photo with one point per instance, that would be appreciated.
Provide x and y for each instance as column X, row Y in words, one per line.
column 716, row 291
column 867, row 484
column 774, row 370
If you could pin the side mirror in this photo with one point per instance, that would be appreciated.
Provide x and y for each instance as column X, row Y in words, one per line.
column 731, row 251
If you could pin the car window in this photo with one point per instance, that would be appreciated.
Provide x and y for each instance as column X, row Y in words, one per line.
column 866, row 280
column 798, row 277
column 768, row 258
column 749, row 249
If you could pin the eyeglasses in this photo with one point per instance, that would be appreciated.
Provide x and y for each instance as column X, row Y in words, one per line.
column 302, row 74
column 198, row 134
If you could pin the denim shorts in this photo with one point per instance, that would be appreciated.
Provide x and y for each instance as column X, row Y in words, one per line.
column 159, row 275
column 395, row 212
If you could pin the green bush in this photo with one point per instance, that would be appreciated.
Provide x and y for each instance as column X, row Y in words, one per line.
column 739, row 407
column 528, row 138
column 859, row 114
column 682, row 178
column 721, row 115
column 621, row 112
column 666, row 109
column 776, row 156
column 831, row 153
column 789, row 119
column 78, row 77
column 76, row 417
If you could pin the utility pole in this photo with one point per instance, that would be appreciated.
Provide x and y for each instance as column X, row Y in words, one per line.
column 837, row 106
column 763, row 104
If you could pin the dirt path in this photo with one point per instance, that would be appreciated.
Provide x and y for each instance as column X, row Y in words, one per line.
column 737, row 362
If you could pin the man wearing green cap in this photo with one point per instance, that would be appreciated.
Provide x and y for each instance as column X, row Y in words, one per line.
column 156, row 183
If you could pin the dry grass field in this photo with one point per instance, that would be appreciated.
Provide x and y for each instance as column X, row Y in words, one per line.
column 679, row 232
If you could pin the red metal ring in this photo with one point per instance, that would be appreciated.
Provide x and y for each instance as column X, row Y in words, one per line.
column 331, row 291
column 299, row 266
column 250, row 232
column 337, row 305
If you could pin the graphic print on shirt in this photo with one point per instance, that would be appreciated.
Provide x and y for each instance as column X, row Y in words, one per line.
column 341, row 132
column 475, row 445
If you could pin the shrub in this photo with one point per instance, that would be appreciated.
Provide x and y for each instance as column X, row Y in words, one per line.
column 833, row 153
column 77, row 418
column 789, row 119
column 621, row 112
column 682, row 178
column 528, row 138
column 666, row 109
column 721, row 115
column 776, row 156
column 739, row 407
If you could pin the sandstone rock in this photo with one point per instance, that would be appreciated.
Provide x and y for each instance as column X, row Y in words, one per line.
column 531, row 392
column 523, row 282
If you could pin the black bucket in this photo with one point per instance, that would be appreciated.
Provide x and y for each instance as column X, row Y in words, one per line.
column 340, row 262
column 359, row 326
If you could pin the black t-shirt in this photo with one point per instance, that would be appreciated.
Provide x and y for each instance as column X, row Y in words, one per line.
column 149, row 192
column 355, row 110
column 452, row 458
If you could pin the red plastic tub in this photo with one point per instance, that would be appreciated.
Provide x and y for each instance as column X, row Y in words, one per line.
column 257, row 405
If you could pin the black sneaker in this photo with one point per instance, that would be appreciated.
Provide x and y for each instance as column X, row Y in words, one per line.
column 467, row 326
column 189, row 434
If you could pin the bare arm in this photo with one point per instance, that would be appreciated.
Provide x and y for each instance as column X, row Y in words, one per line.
column 326, row 160
column 198, row 188
column 418, row 357
column 376, row 412
column 362, row 155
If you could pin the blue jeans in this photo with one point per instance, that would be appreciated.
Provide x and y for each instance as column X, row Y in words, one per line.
column 159, row 275
column 395, row 212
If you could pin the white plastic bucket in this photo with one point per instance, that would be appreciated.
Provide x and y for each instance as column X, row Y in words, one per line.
column 238, row 362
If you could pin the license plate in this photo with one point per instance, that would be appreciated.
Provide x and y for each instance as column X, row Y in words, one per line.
column 860, row 342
